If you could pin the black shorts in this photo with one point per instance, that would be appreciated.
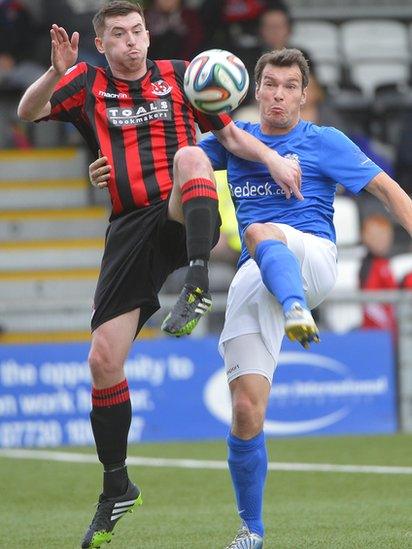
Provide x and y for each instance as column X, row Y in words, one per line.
column 142, row 248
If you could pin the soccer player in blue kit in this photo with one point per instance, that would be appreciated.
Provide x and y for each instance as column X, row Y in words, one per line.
column 288, row 259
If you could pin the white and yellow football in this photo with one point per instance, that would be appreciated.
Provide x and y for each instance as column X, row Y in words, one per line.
column 216, row 81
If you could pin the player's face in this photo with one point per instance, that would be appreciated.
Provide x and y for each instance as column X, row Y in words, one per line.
column 275, row 29
column 280, row 96
column 124, row 42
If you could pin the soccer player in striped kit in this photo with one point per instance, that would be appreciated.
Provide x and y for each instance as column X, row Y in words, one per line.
column 164, row 209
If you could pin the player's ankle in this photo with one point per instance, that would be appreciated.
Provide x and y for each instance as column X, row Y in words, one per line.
column 198, row 275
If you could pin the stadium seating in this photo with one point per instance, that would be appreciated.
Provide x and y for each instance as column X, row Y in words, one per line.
column 321, row 40
column 341, row 317
column 375, row 53
column 346, row 219
column 50, row 244
column 370, row 39
column 366, row 66
column 369, row 74
column 401, row 265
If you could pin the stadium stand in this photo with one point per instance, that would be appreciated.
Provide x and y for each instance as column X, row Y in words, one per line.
column 50, row 245
column 368, row 75
column 346, row 220
column 341, row 317
column 321, row 40
column 374, row 61
column 371, row 39
column 401, row 266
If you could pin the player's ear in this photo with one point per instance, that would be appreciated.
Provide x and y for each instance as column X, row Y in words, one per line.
column 257, row 92
column 303, row 98
column 99, row 45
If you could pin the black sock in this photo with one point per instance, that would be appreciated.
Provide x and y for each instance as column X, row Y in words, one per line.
column 115, row 480
column 197, row 275
column 110, row 418
column 200, row 209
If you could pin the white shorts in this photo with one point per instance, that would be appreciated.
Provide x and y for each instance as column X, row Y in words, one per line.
column 252, row 309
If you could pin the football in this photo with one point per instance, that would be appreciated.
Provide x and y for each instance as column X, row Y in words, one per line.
column 216, row 81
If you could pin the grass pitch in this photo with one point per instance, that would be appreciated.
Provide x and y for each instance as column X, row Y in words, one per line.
column 47, row 505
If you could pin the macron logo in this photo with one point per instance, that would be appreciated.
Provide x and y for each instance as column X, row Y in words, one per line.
column 113, row 95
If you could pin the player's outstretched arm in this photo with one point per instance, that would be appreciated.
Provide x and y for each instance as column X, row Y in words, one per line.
column 35, row 102
column 285, row 172
column 393, row 197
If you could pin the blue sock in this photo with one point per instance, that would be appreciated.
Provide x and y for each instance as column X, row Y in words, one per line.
column 248, row 465
column 280, row 272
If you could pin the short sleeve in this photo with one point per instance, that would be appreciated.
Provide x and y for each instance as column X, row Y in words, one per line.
column 69, row 95
column 216, row 153
column 344, row 162
column 207, row 122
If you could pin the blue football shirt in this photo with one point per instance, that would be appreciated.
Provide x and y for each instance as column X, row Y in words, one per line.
column 326, row 156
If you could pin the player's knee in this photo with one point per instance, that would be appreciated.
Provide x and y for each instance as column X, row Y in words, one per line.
column 256, row 232
column 190, row 160
column 248, row 415
column 101, row 362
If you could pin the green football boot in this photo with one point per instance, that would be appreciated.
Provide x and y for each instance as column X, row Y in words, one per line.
column 109, row 512
column 191, row 305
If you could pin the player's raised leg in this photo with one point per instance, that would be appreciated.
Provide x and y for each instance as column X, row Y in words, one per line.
column 193, row 202
column 281, row 274
column 110, row 419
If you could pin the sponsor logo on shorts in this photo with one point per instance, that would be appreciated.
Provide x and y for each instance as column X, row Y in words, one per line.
column 138, row 116
column 233, row 369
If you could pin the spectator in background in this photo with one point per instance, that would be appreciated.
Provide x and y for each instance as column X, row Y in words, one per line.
column 319, row 107
column 175, row 31
column 273, row 29
column 375, row 272
column 75, row 15
column 17, row 35
column 17, row 68
column 233, row 24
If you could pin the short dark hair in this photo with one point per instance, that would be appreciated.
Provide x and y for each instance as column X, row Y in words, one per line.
column 116, row 7
column 286, row 57
column 278, row 6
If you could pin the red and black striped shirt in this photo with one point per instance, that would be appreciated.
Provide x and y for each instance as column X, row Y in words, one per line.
column 139, row 125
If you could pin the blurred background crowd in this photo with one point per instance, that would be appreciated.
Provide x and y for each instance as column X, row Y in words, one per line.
column 360, row 59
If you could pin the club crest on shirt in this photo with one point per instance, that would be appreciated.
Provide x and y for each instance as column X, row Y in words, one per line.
column 293, row 156
column 160, row 88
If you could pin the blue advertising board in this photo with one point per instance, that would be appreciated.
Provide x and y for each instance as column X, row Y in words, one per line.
column 179, row 392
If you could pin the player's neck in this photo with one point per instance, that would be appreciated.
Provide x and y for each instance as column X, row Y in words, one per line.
column 269, row 129
column 125, row 73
